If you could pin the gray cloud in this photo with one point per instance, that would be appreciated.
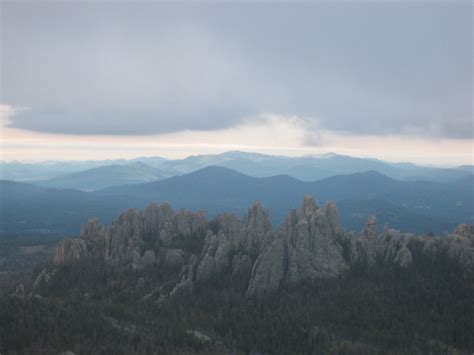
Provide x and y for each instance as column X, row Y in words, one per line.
column 124, row 68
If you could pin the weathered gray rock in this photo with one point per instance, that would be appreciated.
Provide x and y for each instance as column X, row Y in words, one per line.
column 41, row 280
column 307, row 208
column 465, row 230
column 186, row 283
column 403, row 258
column 432, row 246
column 187, row 224
column 163, row 224
column 215, row 254
column 370, row 228
column 71, row 250
column 391, row 248
column 143, row 261
column 217, row 248
column 148, row 258
column 236, row 245
column 92, row 230
column 460, row 247
column 157, row 227
column 174, row 258
column 124, row 240
column 310, row 244
column 306, row 247
column 363, row 248
column 257, row 229
column 269, row 269
column 242, row 265
column 158, row 222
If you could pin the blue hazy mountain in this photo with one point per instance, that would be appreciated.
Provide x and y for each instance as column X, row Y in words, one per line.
column 25, row 171
column 417, row 206
column 306, row 168
column 105, row 176
column 309, row 168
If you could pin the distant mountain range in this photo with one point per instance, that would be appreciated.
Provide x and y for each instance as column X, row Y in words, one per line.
column 94, row 175
column 416, row 206
column 105, row 176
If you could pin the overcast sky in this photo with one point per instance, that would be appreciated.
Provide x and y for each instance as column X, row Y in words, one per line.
column 320, row 74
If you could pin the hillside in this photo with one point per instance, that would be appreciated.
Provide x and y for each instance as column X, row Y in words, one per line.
column 305, row 168
column 168, row 281
column 416, row 206
column 104, row 176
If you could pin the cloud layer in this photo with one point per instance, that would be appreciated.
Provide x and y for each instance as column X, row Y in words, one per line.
column 270, row 134
column 400, row 68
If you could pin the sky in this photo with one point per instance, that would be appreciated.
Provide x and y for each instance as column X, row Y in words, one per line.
column 107, row 79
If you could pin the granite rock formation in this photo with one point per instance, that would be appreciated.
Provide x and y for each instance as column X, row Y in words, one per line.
column 234, row 245
column 310, row 244
column 306, row 247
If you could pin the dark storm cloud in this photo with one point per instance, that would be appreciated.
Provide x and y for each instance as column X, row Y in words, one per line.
column 123, row 68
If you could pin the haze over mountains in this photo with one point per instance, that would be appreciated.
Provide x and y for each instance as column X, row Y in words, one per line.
column 94, row 175
column 105, row 176
column 152, row 200
column 222, row 275
column 416, row 206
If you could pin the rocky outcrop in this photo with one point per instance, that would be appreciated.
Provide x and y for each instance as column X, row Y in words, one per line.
column 460, row 246
column 124, row 239
column 306, row 247
column 41, row 280
column 257, row 229
column 465, row 230
column 137, row 238
column 269, row 269
column 370, row 229
column 216, row 254
column 392, row 248
column 70, row 250
column 310, row 244
column 174, row 258
column 233, row 245
column 214, row 258
column 93, row 230
column 388, row 249
column 362, row 248
column 158, row 221
column 141, row 262
column 89, row 244
column 241, row 266
column 163, row 225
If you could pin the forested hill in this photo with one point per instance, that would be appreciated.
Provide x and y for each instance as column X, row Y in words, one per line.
column 165, row 281
column 416, row 206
